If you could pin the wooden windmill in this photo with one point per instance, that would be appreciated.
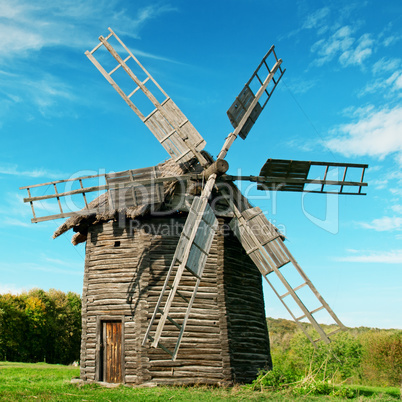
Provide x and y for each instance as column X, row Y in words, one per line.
column 169, row 294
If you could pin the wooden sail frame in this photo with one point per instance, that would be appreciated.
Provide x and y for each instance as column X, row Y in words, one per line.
column 167, row 122
column 291, row 175
column 248, row 99
column 146, row 181
column 264, row 245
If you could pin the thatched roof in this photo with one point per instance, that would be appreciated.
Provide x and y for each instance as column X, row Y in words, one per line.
column 80, row 222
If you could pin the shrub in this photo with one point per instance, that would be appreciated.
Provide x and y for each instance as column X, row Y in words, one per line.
column 382, row 358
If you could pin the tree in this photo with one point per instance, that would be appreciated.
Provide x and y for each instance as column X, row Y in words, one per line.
column 40, row 326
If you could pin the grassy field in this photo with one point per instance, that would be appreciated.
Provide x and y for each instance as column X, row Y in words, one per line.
column 46, row 382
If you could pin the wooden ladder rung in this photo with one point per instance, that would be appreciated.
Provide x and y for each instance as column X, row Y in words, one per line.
column 310, row 313
column 163, row 347
column 294, row 290
column 119, row 65
column 175, row 323
column 335, row 331
column 100, row 44
column 251, row 250
column 259, row 79
column 136, row 89
column 168, row 135
column 283, row 264
column 271, row 239
column 180, row 294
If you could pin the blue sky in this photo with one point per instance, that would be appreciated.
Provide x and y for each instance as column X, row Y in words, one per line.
column 340, row 100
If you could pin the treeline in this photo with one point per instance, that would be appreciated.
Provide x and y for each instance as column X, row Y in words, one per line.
column 40, row 326
column 356, row 356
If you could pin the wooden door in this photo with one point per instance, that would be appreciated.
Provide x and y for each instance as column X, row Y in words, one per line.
column 112, row 353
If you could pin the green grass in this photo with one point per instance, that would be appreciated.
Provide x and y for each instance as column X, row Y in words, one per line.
column 47, row 382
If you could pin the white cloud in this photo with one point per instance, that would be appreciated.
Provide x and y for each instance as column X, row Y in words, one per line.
column 14, row 170
column 339, row 42
column 317, row 19
column 384, row 224
column 31, row 26
column 302, row 145
column 379, row 184
column 391, row 40
column 14, row 212
column 396, row 191
column 8, row 221
column 385, row 65
column 368, row 256
column 376, row 134
column 387, row 78
column 343, row 44
column 389, row 86
column 300, row 87
column 397, row 208
column 357, row 55
column 12, row 288
column 357, row 112
column 55, row 260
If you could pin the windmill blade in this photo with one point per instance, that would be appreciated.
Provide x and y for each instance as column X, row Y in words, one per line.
column 191, row 255
column 313, row 177
column 264, row 244
column 308, row 176
column 166, row 121
column 246, row 108
column 126, row 189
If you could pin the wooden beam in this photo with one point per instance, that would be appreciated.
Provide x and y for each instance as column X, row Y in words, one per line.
column 267, row 180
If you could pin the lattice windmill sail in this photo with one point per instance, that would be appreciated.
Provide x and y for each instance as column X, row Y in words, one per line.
column 134, row 192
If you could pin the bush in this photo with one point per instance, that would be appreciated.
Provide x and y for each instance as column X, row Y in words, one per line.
column 382, row 359
column 313, row 383
column 357, row 355
column 275, row 379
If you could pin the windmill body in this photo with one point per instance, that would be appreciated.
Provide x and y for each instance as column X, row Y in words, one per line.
column 226, row 337
column 175, row 255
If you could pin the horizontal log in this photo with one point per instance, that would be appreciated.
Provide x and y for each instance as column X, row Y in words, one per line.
column 131, row 378
column 187, row 374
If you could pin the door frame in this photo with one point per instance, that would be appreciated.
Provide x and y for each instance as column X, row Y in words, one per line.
column 99, row 369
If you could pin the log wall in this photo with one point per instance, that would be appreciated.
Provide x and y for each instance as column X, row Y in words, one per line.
column 226, row 338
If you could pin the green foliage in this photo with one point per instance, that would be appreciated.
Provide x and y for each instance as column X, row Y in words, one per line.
column 275, row 379
column 340, row 359
column 316, row 384
column 40, row 326
column 355, row 356
column 382, row 363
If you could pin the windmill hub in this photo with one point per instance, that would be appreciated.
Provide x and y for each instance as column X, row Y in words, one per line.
column 219, row 167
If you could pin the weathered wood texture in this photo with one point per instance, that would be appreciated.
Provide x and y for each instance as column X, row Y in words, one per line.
column 226, row 337
column 112, row 355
